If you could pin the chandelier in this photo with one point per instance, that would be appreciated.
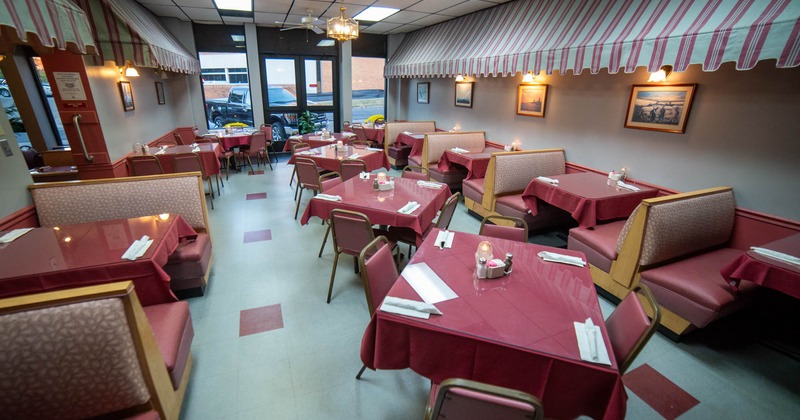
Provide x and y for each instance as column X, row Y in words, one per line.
column 342, row 28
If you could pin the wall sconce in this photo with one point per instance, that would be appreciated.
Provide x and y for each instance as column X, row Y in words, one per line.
column 459, row 78
column 128, row 70
column 528, row 78
column 661, row 75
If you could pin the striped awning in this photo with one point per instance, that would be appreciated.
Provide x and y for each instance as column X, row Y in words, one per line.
column 126, row 31
column 44, row 25
column 550, row 35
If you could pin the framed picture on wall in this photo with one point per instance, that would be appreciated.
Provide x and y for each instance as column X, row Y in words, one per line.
column 126, row 93
column 423, row 92
column 531, row 100
column 160, row 93
column 464, row 94
column 660, row 108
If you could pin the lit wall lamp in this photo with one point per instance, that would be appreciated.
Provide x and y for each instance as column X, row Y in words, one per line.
column 459, row 78
column 661, row 75
column 128, row 70
column 528, row 78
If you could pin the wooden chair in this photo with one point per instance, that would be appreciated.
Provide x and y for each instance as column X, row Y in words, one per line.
column 145, row 165
column 308, row 178
column 178, row 138
column 466, row 399
column 514, row 228
column 409, row 236
column 350, row 168
column 225, row 156
column 190, row 162
column 629, row 327
column 416, row 172
column 165, row 142
column 257, row 148
column 296, row 146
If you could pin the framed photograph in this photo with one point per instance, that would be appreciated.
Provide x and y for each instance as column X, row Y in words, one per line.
column 160, row 93
column 531, row 100
column 423, row 92
column 126, row 93
column 660, row 108
column 464, row 94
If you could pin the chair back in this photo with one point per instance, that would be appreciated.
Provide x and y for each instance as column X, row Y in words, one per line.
column 350, row 168
column 465, row 399
column 299, row 146
column 378, row 271
column 361, row 143
column 629, row 327
column 361, row 133
column 351, row 231
column 307, row 173
column 416, row 172
column 448, row 209
column 490, row 226
column 145, row 165
column 258, row 141
column 187, row 162
column 204, row 140
column 178, row 138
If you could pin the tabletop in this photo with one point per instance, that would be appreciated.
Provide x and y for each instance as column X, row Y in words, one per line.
column 414, row 140
column 209, row 156
column 381, row 206
column 328, row 157
column 316, row 140
column 586, row 196
column 516, row 331
column 476, row 163
column 229, row 141
column 768, row 272
column 91, row 253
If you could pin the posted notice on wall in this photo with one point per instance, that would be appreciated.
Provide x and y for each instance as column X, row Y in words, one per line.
column 69, row 86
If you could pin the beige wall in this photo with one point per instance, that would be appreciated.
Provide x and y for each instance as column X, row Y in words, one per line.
column 14, row 173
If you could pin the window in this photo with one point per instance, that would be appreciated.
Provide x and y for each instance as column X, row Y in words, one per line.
column 224, row 77
column 369, row 96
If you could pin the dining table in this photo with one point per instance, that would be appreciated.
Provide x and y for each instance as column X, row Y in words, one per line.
column 207, row 152
column 381, row 207
column 475, row 162
column 69, row 256
column 415, row 140
column 315, row 140
column 761, row 266
column 329, row 156
column 589, row 197
column 517, row 331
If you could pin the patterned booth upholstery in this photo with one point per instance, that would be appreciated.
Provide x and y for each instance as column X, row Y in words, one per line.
column 675, row 245
column 434, row 146
column 65, row 203
column 89, row 352
column 398, row 155
column 507, row 176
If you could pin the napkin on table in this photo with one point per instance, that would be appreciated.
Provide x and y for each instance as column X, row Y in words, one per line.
column 374, row 149
column 780, row 256
column 295, row 137
column 590, row 343
column 409, row 307
column 459, row 150
column 137, row 248
column 14, row 234
column 547, row 180
column 363, row 175
column 407, row 132
column 348, row 134
column 328, row 197
column 627, row 186
column 429, row 184
column 409, row 207
column 161, row 152
column 196, row 149
column 561, row 258
column 445, row 239
column 354, row 156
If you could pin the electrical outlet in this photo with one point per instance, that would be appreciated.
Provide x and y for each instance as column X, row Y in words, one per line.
column 6, row 148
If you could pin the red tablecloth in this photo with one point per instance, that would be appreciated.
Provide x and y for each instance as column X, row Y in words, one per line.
column 515, row 331
column 476, row 163
column 229, row 141
column 381, row 206
column 209, row 157
column 85, row 254
column 768, row 272
column 328, row 158
column 587, row 196
column 414, row 140
column 375, row 134
column 315, row 140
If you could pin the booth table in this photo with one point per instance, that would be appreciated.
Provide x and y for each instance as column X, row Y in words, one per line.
column 586, row 196
column 768, row 272
column 328, row 157
column 229, row 141
column 414, row 140
column 476, row 163
column 316, row 140
column 515, row 331
column 209, row 157
column 47, row 259
column 381, row 206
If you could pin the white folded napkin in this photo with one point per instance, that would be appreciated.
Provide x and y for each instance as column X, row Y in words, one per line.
column 354, row 156
column 428, row 285
column 374, row 149
column 137, row 248
column 413, row 305
column 308, row 152
column 780, row 256
column 409, row 207
column 627, row 186
column 364, row 175
column 295, row 137
column 196, row 149
column 590, row 343
column 445, row 239
column 161, row 152
column 459, row 150
column 14, row 234
column 547, row 180
column 348, row 134
column 328, row 197
column 407, row 132
column 430, row 184
column 561, row 258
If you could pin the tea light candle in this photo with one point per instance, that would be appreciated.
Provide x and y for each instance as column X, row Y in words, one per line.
column 339, row 143
column 381, row 176
column 515, row 145
column 484, row 251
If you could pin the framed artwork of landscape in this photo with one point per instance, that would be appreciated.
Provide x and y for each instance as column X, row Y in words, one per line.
column 531, row 100
column 660, row 108
column 423, row 92
column 464, row 94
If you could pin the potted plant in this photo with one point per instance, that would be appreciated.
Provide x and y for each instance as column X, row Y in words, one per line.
column 305, row 122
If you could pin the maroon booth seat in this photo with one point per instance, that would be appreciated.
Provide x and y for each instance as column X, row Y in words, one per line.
column 598, row 243
column 434, row 147
column 398, row 153
column 172, row 327
column 188, row 267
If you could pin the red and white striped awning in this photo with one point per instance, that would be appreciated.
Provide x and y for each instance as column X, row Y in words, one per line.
column 44, row 25
column 126, row 31
column 564, row 35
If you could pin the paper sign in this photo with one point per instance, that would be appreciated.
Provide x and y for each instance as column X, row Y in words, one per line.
column 428, row 285
column 69, row 85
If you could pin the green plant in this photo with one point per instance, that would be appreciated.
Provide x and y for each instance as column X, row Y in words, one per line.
column 14, row 119
column 305, row 123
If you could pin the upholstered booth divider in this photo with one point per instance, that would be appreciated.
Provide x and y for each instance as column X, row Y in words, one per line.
column 93, row 352
column 676, row 245
column 434, row 147
column 508, row 173
column 398, row 154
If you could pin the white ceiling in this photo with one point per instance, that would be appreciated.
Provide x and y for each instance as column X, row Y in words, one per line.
column 413, row 14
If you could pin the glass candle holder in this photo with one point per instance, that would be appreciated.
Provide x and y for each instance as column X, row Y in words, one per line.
column 381, row 176
column 484, row 251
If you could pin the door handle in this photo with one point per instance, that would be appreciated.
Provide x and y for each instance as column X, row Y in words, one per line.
column 86, row 155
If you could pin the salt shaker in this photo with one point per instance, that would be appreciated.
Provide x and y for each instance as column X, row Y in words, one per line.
column 507, row 269
column 481, row 268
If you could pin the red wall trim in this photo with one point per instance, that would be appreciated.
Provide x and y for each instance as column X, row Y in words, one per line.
column 22, row 218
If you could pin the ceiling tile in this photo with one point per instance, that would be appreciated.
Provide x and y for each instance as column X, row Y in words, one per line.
column 405, row 28
column 467, row 7
column 397, row 4
column 205, row 4
column 433, row 6
column 196, row 13
column 272, row 6
column 235, row 20
column 432, row 20
column 159, row 2
column 404, row 17
column 318, row 7
column 268, row 18
column 381, row 27
column 167, row 11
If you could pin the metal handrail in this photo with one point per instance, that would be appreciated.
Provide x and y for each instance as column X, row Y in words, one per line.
column 86, row 155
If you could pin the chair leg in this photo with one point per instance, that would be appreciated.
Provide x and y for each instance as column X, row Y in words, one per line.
column 333, row 275
column 361, row 372
column 298, row 203
column 269, row 159
column 291, row 178
column 297, row 187
column 324, row 241
column 211, row 187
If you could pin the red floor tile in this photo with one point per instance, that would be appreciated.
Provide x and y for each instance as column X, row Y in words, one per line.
column 257, row 320
column 658, row 392
column 257, row 196
column 257, row 236
column 255, row 172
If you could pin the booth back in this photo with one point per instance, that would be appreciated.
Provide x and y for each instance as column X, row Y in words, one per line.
column 513, row 171
column 393, row 129
column 437, row 143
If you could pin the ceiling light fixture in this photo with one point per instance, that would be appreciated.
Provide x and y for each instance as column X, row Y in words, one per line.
column 528, row 78
column 661, row 75
column 241, row 5
column 342, row 28
column 237, row 38
column 375, row 14
column 459, row 78
column 326, row 43
column 128, row 70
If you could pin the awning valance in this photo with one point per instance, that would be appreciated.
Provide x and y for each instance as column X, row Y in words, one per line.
column 126, row 31
column 44, row 25
column 551, row 35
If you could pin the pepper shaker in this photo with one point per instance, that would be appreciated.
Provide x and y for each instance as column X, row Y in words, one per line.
column 375, row 186
column 508, row 262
